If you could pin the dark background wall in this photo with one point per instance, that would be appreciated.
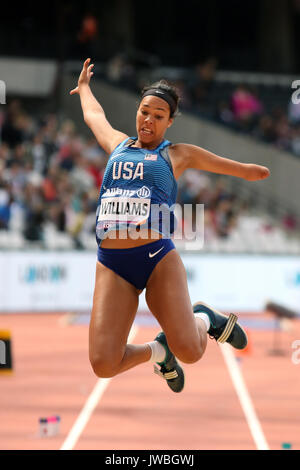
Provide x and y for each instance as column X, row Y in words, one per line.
column 261, row 35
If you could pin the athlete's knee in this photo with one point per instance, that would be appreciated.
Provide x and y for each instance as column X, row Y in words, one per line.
column 105, row 367
column 188, row 352
column 189, row 356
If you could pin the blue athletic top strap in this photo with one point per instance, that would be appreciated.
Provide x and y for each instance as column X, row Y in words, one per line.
column 165, row 154
column 121, row 144
column 131, row 141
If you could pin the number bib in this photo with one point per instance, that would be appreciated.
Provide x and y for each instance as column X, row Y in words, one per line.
column 132, row 210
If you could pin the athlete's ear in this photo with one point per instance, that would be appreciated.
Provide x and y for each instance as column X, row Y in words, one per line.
column 170, row 122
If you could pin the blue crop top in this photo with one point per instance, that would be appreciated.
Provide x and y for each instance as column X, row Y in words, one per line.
column 138, row 189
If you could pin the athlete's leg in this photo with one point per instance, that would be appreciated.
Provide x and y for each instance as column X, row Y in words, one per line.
column 168, row 299
column 114, row 307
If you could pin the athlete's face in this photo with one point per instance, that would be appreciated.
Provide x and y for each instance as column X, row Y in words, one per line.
column 152, row 119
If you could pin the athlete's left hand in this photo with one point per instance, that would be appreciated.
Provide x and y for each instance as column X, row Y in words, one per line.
column 256, row 172
column 84, row 77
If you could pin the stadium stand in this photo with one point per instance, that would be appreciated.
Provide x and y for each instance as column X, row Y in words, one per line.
column 50, row 178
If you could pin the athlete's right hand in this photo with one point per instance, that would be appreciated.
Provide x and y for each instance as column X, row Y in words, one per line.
column 84, row 77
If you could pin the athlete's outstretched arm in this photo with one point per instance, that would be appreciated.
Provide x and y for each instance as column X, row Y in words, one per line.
column 93, row 113
column 191, row 156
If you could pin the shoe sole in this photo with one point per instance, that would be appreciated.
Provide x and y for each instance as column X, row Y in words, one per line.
column 231, row 322
column 183, row 377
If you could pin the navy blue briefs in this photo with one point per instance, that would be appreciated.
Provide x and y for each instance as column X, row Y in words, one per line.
column 136, row 264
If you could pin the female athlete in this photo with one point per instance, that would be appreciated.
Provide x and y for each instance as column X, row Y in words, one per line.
column 140, row 173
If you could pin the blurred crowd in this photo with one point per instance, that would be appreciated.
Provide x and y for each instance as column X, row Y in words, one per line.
column 50, row 177
column 264, row 112
column 247, row 112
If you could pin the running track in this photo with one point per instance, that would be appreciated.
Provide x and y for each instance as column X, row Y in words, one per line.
column 136, row 410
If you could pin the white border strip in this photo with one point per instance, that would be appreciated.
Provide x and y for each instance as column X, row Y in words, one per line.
column 90, row 406
column 244, row 397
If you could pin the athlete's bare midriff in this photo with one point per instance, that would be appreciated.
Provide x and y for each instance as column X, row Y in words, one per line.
column 124, row 241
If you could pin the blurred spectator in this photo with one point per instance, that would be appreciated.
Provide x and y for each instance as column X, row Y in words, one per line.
column 265, row 129
column 191, row 186
column 294, row 113
column 224, row 113
column 245, row 106
column 11, row 132
column 209, row 226
column 80, row 176
column 201, row 83
column 283, row 133
column 89, row 28
column 185, row 99
column 5, row 200
column 35, row 213
column 39, row 154
column 295, row 140
column 88, row 35
column 290, row 222
column 49, row 185
column 119, row 70
column 4, row 154
column 224, row 217
column 56, row 214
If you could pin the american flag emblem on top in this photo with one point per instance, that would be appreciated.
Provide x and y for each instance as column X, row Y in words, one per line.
column 150, row 156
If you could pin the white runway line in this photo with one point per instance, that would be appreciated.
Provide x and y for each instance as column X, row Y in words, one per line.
column 244, row 397
column 90, row 406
